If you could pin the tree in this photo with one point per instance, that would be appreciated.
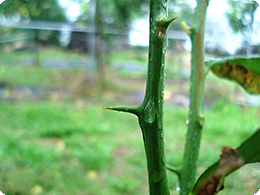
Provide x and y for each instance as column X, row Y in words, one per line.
column 35, row 10
column 241, row 15
column 241, row 18
column 116, row 14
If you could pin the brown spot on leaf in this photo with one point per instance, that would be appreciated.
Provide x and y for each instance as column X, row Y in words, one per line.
column 245, row 77
column 241, row 69
column 229, row 161
column 210, row 186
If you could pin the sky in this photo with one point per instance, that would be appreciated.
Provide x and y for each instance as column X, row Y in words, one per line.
column 221, row 33
column 219, row 25
column 72, row 9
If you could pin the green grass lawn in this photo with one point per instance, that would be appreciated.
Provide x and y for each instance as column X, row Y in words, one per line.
column 71, row 145
column 60, row 148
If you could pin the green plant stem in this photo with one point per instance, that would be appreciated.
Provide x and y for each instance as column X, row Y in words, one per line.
column 150, row 112
column 151, row 117
column 195, row 119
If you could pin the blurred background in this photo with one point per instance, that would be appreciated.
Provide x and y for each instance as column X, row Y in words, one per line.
column 62, row 61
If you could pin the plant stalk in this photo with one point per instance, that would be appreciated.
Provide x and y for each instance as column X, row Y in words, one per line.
column 150, row 112
column 195, row 119
column 151, row 116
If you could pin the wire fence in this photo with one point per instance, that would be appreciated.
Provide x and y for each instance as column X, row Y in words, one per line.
column 81, row 40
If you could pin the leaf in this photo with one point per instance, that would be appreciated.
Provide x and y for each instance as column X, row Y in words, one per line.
column 212, row 180
column 250, row 149
column 245, row 71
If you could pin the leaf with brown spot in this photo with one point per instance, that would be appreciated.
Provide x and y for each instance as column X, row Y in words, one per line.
column 245, row 71
column 229, row 161
column 212, row 180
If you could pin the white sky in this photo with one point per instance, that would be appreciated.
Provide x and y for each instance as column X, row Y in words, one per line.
column 73, row 9
column 222, row 32
column 139, row 35
column 220, row 35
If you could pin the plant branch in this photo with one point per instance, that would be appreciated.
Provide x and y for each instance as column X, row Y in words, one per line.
column 195, row 119
column 173, row 169
column 150, row 112
column 151, row 115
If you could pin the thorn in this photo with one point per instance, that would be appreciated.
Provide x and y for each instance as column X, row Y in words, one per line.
column 173, row 19
column 133, row 110
column 168, row 22
column 164, row 24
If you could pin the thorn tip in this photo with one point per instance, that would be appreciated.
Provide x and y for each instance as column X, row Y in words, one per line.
column 173, row 19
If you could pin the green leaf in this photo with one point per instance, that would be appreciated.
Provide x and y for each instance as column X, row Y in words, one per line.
column 245, row 71
column 212, row 180
column 250, row 149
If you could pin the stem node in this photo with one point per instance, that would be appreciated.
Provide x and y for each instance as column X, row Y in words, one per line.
column 201, row 120
column 186, row 28
column 173, row 169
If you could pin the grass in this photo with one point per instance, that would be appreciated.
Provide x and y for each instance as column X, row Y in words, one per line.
column 62, row 149
column 40, row 76
column 71, row 145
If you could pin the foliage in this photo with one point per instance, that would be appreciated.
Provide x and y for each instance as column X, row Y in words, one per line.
column 33, row 10
column 212, row 180
column 245, row 71
column 116, row 12
column 240, row 15
column 49, row 10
